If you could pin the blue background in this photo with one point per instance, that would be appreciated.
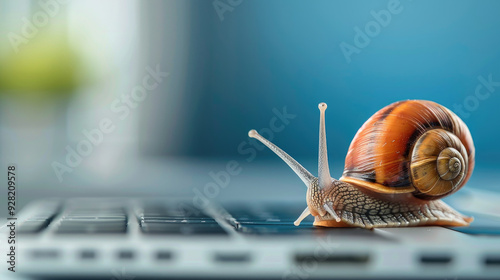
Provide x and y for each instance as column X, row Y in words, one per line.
column 268, row 54
column 227, row 73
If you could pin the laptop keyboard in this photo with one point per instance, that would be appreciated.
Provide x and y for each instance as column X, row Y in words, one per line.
column 184, row 219
column 179, row 219
column 106, row 235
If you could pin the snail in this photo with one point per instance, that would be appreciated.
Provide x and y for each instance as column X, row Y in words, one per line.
column 401, row 162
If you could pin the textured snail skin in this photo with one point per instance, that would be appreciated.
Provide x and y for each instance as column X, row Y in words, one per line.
column 400, row 163
column 358, row 207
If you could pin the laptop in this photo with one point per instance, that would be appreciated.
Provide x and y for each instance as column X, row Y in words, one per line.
column 167, row 237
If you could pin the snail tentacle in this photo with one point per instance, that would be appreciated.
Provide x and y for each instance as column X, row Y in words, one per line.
column 302, row 216
column 303, row 174
column 324, row 178
column 328, row 207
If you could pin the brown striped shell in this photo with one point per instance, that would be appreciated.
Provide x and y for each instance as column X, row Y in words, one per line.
column 412, row 146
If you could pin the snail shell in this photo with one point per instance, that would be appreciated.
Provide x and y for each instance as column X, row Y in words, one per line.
column 412, row 146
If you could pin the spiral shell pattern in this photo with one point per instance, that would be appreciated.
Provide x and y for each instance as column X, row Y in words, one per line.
column 439, row 163
column 412, row 146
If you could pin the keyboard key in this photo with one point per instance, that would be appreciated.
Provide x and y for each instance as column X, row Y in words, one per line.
column 88, row 254
column 152, row 214
column 100, row 213
column 168, row 220
column 89, row 220
column 39, row 222
column 170, row 212
column 126, row 255
column 32, row 226
column 96, row 218
column 91, row 228
column 183, row 229
column 280, row 214
column 278, row 230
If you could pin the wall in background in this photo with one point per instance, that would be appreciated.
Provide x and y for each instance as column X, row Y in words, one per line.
column 261, row 55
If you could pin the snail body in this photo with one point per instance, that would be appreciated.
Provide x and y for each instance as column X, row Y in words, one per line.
column 400, row 163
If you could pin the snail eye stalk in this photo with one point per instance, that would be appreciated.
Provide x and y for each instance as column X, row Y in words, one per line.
column 324, row 178
column 303, row 174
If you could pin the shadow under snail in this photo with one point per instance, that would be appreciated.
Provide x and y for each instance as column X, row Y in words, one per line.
column 400, row 163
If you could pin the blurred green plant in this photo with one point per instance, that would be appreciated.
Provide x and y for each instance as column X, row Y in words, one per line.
column 44, row 69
